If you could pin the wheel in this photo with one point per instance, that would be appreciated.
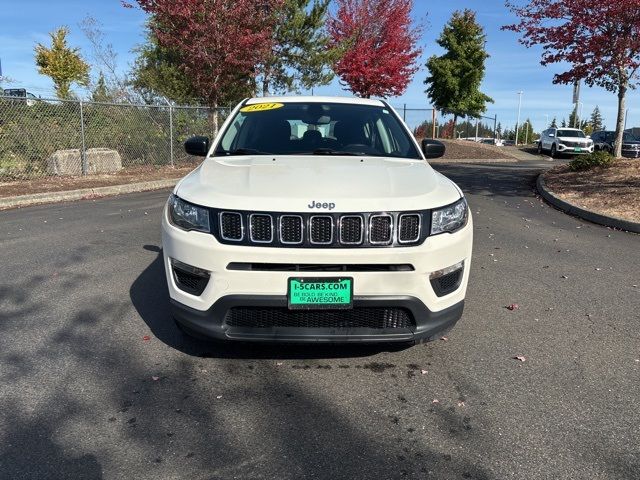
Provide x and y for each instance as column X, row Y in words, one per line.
column 554, row 152
column 539, row 148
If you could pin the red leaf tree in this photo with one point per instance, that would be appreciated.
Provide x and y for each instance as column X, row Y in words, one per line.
column 600, row 40
column 221, row 42
column 379, row 46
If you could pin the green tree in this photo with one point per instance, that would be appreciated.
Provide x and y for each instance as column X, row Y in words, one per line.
column 526, row 134
column 300, row 54
column 596, row 121
column 63, row 64
column 156, row 74
column 455, row 77
column 554, row 123
column 563, row 124
column 100, row 92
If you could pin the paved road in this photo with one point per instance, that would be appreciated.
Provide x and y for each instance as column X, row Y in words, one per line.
column 82, row 284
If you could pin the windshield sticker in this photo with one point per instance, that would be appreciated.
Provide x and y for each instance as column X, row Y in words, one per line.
column 261, row 107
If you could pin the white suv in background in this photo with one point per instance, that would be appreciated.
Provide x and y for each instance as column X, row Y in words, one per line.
column 316, row 219
column 571, row 141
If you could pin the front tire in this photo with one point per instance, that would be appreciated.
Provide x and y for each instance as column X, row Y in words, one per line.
column 554, row 152
column 539, row 148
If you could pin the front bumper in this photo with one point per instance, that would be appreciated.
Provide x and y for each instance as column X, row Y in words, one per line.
column 630, row 153
column 228, row 288
column 211, row 323
column 571, row 150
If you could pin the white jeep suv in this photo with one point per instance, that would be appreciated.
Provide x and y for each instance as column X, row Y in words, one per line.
column 316, row 219
column 564, row 141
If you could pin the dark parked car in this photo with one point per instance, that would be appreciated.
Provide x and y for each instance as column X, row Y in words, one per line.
column 605, row 140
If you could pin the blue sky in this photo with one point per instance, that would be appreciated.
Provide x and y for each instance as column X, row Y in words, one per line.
column 510, row 69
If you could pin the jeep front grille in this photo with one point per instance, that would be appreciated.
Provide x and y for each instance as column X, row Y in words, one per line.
column 351, row 230
column 321, row 229
column 231, row 227
column 291, row 229
column 409, row 230
column 261, row 228
column 325, row 230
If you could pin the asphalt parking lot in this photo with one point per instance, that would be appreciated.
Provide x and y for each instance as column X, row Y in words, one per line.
column 96, row 382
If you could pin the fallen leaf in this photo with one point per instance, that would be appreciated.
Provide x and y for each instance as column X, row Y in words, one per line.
column 219, row 397
column 444, row 339
column 513, row 306
column 461, row 404
column 424, row 372
column 279, row 364
column 155, row 379
column 520, row 357
column 564, row 276
column 435, row 400
column 146, row 338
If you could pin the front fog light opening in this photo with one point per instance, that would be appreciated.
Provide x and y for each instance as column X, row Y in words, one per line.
column 447, row 280
column 189, row 279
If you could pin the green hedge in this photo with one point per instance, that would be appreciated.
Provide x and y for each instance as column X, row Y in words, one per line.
column 595, row 159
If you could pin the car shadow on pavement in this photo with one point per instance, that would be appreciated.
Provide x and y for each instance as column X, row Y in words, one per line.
column 495, row 180
column 150, row 297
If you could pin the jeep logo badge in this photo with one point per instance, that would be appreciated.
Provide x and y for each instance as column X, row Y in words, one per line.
column 321, row 206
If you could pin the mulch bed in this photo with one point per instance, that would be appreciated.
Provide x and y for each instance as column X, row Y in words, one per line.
column 612, row 191
column 466, row 150
column 125, row 176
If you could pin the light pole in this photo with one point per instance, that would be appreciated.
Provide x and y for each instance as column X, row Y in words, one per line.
column 518, row 122
column 546, row 121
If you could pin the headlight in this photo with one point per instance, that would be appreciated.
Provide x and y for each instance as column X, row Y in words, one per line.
column 188, row 216
column 450, row 218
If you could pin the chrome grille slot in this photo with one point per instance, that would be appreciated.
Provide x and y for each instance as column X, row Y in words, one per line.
column 351, row 230
column 409, row 228
column 291, row 229
column 321, row 230
column 231, row 226
column 380, row 229
column 261, row 228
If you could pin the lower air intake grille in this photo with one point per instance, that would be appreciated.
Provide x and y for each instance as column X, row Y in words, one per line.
column 366, row 317
column 190, row 282
column 291, row 229
column 448, row 283
column 321, row 229
column 231, row 226
column 409, row 230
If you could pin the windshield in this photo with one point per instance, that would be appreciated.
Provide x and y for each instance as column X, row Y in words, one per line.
column 311, row 128
column 571, row 133
column 629, row 138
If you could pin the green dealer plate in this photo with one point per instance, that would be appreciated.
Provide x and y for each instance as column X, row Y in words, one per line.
column 577, row 150
column 320, row 293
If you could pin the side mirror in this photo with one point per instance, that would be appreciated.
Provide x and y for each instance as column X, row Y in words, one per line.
column 552, row 135
column 432, row 148
column 198, row 146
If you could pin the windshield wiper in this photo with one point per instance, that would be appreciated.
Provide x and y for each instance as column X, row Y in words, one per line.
column 245, row 151
column 330, row 151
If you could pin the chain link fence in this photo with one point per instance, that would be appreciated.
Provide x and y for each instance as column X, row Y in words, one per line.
column 47, row 137
column 429, row 123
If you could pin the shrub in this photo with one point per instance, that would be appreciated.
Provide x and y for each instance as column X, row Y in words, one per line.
column 595, row 159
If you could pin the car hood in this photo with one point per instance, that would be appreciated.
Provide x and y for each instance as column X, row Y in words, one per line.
column 292, row 183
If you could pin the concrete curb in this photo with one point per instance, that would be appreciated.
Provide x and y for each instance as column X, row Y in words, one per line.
column 70, row 195
column 588, row 215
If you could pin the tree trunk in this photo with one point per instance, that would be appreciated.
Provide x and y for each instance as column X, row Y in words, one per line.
column 265, row 87
column 622, row 94
column 455, row 122
column 213, row 119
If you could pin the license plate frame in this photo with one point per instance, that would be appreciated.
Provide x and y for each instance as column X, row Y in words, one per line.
column 326, row 301
column 577, row 149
